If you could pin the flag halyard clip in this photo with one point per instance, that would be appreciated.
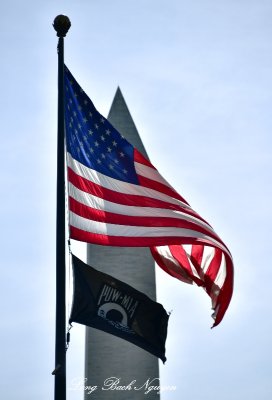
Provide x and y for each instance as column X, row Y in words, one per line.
column 68, row 336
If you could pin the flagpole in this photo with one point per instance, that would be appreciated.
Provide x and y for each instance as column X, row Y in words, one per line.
column 61, row 25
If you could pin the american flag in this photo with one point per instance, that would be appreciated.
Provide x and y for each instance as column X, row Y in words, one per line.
column 118, row 198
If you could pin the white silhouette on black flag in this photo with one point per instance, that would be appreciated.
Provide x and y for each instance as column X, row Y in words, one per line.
column 103, row 302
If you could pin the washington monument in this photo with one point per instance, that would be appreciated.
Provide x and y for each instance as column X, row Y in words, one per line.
column 107, row 356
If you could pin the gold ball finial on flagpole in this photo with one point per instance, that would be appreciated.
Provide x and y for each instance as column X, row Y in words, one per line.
column 61, row 25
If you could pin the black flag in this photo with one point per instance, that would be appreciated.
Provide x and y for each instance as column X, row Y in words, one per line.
column 105, row 303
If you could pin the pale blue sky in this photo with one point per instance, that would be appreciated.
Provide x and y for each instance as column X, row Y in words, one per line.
column 197, row 78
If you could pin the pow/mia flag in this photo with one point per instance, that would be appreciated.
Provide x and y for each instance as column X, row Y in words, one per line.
column 105, row 303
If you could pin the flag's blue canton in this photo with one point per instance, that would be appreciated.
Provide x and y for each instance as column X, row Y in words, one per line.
column 92, row 140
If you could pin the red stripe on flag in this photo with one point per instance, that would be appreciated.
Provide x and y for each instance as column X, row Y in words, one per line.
column 212, row 271
column 131, row 241
column 138, row 157
column 159, row 187
column 181, row 256
column 225, row 293
column 196, row 259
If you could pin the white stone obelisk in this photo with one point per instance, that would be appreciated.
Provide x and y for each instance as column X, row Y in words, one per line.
column 107, row 356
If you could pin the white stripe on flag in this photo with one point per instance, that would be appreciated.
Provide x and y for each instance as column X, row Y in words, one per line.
column 150, row 173
column 207, row 258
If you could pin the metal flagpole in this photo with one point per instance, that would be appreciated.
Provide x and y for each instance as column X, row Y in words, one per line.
column 61, row 25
